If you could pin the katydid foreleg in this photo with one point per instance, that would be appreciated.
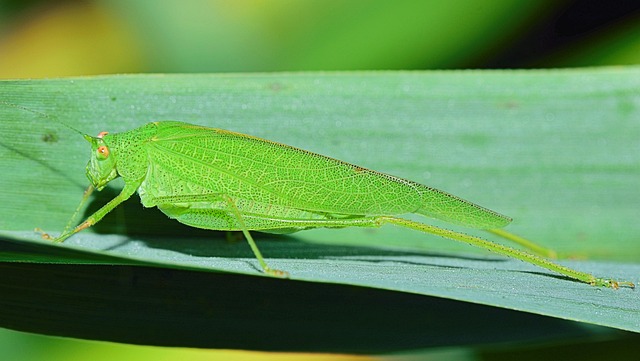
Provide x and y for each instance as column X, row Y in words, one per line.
column 85, row 197
column 125, row 194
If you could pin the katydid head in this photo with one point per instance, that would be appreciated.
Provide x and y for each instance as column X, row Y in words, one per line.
column 101, row 168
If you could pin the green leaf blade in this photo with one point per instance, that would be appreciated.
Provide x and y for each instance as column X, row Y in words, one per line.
column 555, row 150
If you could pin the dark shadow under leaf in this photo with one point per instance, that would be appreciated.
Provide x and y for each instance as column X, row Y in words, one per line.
column 147, row 305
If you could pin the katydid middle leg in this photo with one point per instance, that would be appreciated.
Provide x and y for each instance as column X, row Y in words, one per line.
column 207, row 218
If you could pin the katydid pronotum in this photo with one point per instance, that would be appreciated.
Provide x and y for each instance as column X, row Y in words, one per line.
column 220, row 180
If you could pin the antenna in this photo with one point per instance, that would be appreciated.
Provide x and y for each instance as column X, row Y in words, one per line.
column 41, row 114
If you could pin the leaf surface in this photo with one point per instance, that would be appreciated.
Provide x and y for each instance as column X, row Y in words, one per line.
column 556, row 150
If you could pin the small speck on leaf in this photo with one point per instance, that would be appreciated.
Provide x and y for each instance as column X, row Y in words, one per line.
column 49, row 137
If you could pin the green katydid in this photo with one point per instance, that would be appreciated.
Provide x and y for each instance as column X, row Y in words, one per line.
column 220, row 180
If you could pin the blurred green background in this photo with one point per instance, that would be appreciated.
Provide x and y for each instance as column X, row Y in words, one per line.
column 73, row 38
column 62, row 38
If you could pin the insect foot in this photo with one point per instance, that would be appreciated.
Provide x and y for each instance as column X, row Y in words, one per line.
column 276, row 273
column 611, row 283
column 43, row 234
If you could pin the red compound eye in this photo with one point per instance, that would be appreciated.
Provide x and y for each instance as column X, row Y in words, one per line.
column 103, row 151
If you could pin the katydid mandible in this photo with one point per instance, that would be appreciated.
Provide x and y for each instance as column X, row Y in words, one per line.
column 220, row 180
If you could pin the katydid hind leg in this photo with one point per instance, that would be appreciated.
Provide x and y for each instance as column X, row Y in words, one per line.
column 529, row 245
column 372, row 221
column 506, row 251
